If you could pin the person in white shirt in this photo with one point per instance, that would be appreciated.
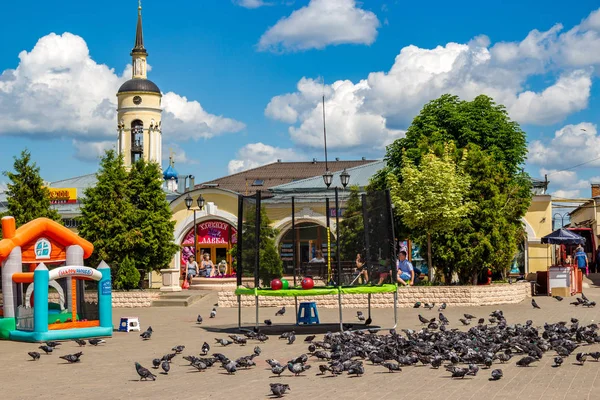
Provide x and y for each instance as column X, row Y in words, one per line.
column 318, row 258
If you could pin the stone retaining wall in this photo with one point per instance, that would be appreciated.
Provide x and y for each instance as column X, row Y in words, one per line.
column 466, row 296
column 120, row 299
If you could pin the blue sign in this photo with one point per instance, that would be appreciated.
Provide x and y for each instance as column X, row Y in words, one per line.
column 106, row 288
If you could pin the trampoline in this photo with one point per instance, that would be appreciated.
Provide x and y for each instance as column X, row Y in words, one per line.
column 378, row 247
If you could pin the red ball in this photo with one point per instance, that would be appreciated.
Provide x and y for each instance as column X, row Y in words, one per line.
column 276, row 284
column 308, row 283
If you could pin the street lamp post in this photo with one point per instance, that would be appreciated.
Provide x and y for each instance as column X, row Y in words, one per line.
column 188, row 203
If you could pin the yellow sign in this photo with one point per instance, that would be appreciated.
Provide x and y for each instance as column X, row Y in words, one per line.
column 63, row 195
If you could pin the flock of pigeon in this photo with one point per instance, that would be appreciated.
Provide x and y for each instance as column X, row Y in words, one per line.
column 50, row 346
column 461, row 353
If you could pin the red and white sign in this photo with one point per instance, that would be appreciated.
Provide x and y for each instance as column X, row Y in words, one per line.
column 212, row 232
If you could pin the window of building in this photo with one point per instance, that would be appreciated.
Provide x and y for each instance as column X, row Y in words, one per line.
column 42, row 249
column 258, row 182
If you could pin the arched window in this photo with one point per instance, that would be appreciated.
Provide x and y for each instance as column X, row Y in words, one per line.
column 43, row 248
column 137, row 140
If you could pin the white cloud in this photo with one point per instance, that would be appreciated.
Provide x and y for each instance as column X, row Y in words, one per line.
column 92, row 151
column 566, row 194
column 375, row 110
column 57, row 88
column 250, row 3
column 319, row 24
column 254, row 155
column 571, row 145
column 186, row 119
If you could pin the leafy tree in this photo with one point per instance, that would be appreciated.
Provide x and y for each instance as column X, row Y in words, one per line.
column 432, row 197
column 27, row 196
column 151, row 220
column 499, row 188
column 352, row 229
column 271, row 265
column 106, row 213
column 127, row 276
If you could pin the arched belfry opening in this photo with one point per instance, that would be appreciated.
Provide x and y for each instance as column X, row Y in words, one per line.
column 137, row 140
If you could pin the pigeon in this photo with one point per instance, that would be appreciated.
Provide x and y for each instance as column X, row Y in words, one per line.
column 423, row 319
column 360, row 316
column 459, row 373
column 291, row 338
column 279, row 389
column 442, row 307
column 525, row 361
column 595, row 355
column 559, row 298
column 277, row 369
column 199, row 319
column 80, row 342
column 146, row 335
column 223, row 342
column 230, row 367
column 298, row 368
column 272, row 362
column 469, row 316
column 178, row 349
column 71, row 358
column 257, row 350
column 165, row 367
column 429, row 306
column 534, row 304
column 34, row 355
column 581, row 357
column 496, row 375
column 583, row 297
column 47, row 349
column 53, row 344
column 280, row 312
column 309, row 338
column 268, row 322
column 156, row 363
column 96, row 342
column 144, row 373
column 213, row 313
column 391, row 366
column 557, row 361
column 481, row 321
column 356, row 369
column 465, row 321
column 443, row 319
column 168, row 357
column 205, row 348
column 417, row 304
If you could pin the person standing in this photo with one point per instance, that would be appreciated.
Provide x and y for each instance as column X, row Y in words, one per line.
column 191, row 268
column 361, row 270
column 582, row 260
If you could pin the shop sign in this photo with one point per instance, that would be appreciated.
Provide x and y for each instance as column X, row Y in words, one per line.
column 63, row 195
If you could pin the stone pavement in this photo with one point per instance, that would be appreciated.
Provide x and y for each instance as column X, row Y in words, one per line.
column 107, row 371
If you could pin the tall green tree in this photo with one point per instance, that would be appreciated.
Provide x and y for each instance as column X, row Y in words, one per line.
column 106, row 213
column 352, row 230
column 432, row 197
column 152, row 218
column 27, row 196
column 500, row 189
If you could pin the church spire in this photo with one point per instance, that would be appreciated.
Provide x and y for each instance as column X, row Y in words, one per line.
column 139, row 34
column 139, row 54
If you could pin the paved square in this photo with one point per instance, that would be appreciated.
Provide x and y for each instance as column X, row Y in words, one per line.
column 107, row 371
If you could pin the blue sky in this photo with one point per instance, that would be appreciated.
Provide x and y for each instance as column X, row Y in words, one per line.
column 242, row 81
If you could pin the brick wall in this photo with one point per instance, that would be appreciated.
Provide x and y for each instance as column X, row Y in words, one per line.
column 407, row 296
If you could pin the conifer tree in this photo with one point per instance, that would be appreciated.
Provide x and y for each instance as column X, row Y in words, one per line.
column 152, row 219
column 106, row 212
column 27, row 196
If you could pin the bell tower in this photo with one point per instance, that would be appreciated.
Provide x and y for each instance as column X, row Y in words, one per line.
column 139, row 110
